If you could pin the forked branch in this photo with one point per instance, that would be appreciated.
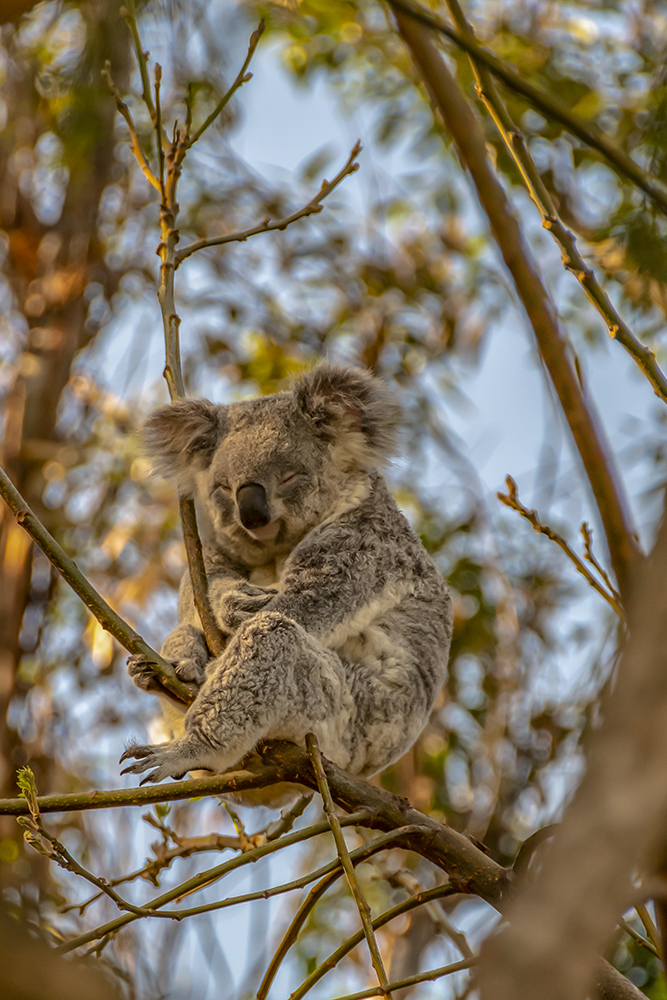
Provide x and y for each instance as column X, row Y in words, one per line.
column 313, row 207
column 610, row 595
column 551, row 220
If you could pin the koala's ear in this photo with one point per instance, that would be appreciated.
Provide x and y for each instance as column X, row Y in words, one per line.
column 350, row 402
column 182, row 437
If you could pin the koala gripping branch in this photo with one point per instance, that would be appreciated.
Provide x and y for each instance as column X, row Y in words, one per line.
column 107, row 617
column 469, row 869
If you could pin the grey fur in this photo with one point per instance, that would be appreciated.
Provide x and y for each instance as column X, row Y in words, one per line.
column 341, row 623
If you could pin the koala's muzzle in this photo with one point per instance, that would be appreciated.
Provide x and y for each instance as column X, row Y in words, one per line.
column 253, row 506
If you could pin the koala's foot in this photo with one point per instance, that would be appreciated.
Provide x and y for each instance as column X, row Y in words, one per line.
column 168, row 760
column 185, row 647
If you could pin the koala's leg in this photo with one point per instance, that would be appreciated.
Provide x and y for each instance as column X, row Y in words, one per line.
column 273, row 680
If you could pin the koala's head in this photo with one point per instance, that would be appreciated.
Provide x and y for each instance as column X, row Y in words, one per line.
column 270, row 469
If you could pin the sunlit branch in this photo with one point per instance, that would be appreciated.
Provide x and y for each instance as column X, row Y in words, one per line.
column 313, row 207
column 242, row 78
column 344, row 855
column 135, row 144
column 578, row 409
column 130, row 15
column 109, row 619
column 564, row 237
column 511, row 500
column 586, row 131
column 202, row 880
column 396, row 911
column 421, row 977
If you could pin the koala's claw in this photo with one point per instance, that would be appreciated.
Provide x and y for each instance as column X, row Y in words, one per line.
column 166, row 760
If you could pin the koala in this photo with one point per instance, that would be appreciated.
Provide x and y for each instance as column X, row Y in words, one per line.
column 337, row 621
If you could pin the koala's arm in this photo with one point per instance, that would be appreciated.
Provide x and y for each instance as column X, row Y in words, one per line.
column 233, row 600
column 345, row 573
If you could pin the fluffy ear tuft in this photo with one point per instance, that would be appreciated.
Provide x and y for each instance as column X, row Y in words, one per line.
column 350, row 402
column 182, row 437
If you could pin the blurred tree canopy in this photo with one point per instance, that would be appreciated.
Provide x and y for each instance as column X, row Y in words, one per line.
column 401, row 275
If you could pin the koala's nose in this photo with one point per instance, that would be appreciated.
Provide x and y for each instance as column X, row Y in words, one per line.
column 253, row 506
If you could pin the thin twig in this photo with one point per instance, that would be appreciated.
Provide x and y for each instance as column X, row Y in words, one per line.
column 188, row 846
column 511, row 500
column 109, row 619
column 442, row 924
column 343, row 853
column 130, row 15
column 421, row 977
column 463, row 125
column 587, row 131
column 587, row 535
column 201, row 880
column 636, row 936
column 135, row 144
column 242, row 78
column 346, row 947
column 649, row 927
column 267, row 226
column 291, row 934
column 572, row 259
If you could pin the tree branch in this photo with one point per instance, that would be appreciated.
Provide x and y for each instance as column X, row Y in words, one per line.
column 613, row 828
column 464, row 127
column 238, row 82
column 470, row 871
column 511, row 500
column 564, row 237
column 586, row 131
column 109, row 619
column 267, row 226
column 350, row 874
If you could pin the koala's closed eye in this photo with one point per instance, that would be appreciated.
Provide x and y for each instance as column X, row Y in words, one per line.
column 291, row 479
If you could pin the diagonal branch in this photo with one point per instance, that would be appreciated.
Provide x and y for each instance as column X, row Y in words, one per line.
column 572, row 258
column 511, row 500
column 313, row 207
column 463, row 125
column 242, row 78
column 109, row 619
column 344, row 855
column 586, row 131
column 470, row 870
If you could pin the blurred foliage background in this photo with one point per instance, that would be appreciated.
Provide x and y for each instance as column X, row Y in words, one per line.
column 397, row 273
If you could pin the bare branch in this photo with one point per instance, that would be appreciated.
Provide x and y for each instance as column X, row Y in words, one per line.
column 586, row 131
column 242, row 78
column 421, row 977
column 200, row 881
column 572, row 259
column 511, row 500
column 313, row 207
column 109, row 619
column 130, row 15
column 420, row 899
column 463, row 125
column 469, row 869
column 135, row 145
column 612, row 829
column 343, row 853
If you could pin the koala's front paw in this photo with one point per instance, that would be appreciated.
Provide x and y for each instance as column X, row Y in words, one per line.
column 238, row 605
column 167, row 760
column 142, row 671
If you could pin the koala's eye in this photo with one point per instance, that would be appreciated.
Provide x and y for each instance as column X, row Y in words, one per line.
column 293, row 476
column 225, row 487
